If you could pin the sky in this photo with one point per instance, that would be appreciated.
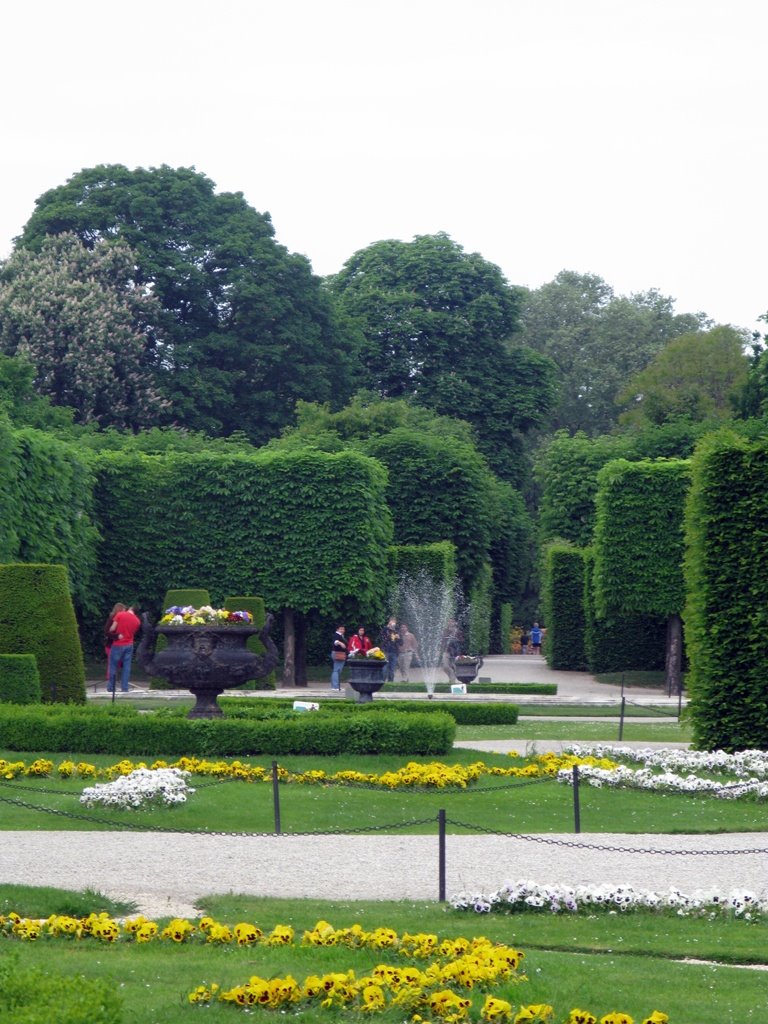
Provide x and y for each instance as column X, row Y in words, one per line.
column 623, row 138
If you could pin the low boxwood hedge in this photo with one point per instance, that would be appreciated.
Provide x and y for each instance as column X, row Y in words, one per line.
column 123, row 731
column 462, row 712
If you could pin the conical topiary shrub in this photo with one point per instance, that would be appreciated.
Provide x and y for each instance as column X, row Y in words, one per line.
column 254, row 605
column 19, row 679
column 180, row 597
column 37, row 617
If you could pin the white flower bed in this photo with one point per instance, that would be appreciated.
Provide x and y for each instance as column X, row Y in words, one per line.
column 526, row 896
column 668, row 781
column 745, row 762
column 140, row 788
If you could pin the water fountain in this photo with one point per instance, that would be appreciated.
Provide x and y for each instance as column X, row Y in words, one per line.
column 428, row 605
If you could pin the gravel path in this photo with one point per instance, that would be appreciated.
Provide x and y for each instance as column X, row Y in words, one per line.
column 164, row 874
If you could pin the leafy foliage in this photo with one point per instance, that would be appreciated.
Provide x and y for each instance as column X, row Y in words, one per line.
column 437, row 323
column 597, row 340
column 247, row 328
column 75, row 314
column 639, row 537
column 37, row 617
column 46, row 505
column 698, row 376
column 563, row 594
column 616, row 642
column 19, row 679
column 303, row 529
column 727, row 572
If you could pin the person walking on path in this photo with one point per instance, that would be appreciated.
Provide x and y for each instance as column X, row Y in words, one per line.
column 408, row 649
column 125, row 625
column 536, row 638
column 359, row 643
column 109, row 636
column 390, row 642
column 338, row 656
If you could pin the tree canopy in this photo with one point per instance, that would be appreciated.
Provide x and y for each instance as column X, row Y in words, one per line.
column 247, row 327
column 75, row 315
column 598, row 341
column 437, row 325
column 698, row 376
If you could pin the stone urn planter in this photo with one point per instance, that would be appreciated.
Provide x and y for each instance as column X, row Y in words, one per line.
column 206, row 659
column 365, row 676
column 466, row 670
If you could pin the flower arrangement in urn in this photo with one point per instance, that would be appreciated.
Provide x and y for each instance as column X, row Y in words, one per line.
column 204, row 616
column 466, row 659
column 372, row 654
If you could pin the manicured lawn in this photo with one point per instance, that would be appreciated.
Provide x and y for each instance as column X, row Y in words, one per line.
column 503, row 804
column 600, row 963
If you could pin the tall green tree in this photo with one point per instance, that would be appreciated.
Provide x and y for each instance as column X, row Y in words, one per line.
column 438, row 325
column 698, row 376
column 75, row 314
column 247, row 328
column 598, row 341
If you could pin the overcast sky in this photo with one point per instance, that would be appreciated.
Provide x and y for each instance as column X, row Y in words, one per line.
column 624, row 138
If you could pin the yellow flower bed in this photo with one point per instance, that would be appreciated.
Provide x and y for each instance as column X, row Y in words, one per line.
column 436, row 992
column 434, row 775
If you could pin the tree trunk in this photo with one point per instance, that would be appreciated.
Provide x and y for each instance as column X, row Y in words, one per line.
column 300, row 654
column 289, row 648
column 674, row 656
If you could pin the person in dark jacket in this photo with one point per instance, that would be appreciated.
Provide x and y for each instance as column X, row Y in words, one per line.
column 390, row 642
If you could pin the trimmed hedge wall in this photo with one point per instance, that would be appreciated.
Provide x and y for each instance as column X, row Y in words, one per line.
column 101, row 731
column 19, row 679
column 726, row 617
column 564, row 607
column 304, row 529
column 437, row 560
column 619, row 643
column 37, row 617
column 46, row 508
column 639, row 537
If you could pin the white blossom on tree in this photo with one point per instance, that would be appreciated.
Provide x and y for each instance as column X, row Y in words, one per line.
column 89, row 331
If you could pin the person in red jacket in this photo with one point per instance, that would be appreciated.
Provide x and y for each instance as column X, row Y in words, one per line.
column 125, row 626
column 359, row 643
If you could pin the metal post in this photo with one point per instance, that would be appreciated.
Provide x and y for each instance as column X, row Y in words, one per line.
column 576, row 809
column 276, row 797
column 441, row 854
column 621, row 718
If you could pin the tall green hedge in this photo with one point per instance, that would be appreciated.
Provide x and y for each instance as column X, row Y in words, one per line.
column 726, row 616
column 639, row 539
column 564, row 607
column 479, row 612
column 618, row 643
column 46, row 513
column 437, row 560
column 37, row 617
column 505, row 627
column 305, row 529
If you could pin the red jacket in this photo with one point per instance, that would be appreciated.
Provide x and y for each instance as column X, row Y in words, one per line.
column 358, row 643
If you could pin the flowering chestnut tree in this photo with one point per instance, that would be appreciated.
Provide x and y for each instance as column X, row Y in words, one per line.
column 77, row 315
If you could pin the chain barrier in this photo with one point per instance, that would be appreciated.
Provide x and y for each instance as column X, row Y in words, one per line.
column 663, row 712
column 133, row 826
column 569, row 843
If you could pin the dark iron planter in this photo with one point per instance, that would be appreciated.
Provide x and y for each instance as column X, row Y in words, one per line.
column 365, row 676
column 466, row 671
column 206, row 660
